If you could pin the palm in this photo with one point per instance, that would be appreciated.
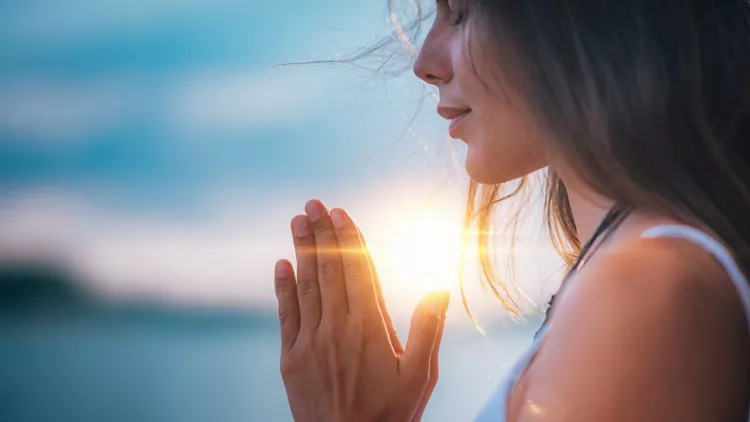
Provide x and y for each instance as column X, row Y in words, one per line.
column 398, row 347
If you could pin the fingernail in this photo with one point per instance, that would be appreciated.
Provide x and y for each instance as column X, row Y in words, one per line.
column 437, row 302
column 339, row 218
column 314, row 209
column 300, row 226
column 283, row 269
column 446, row 302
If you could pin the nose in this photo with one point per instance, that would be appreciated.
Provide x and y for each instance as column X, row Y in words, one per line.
column 433, row 64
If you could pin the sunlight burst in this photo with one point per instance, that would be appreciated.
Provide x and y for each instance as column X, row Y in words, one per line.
column 421, row 254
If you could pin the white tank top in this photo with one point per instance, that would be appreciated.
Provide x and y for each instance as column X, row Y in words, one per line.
column 495, row 408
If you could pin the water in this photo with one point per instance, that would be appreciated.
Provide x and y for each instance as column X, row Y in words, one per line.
column 89, row 371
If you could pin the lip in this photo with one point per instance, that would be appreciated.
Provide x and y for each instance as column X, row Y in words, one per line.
column 455, row 125
column 456, row 115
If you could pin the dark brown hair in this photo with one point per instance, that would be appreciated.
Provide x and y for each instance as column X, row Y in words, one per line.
column 649, row 100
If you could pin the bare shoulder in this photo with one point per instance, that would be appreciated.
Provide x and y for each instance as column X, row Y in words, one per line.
column 670, row 286
column 650, row 330
column 657, row 276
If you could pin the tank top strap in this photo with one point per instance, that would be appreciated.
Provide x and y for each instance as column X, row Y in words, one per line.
column 712, row 246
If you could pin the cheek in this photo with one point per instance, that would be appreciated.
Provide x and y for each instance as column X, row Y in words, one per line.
column 504, row 143
column 505, row 147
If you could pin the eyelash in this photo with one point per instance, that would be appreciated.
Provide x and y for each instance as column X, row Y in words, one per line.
column 457, row 18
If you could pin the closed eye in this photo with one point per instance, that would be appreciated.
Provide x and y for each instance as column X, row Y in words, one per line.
column 455, row 17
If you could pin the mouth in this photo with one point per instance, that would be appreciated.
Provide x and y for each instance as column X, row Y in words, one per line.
column 456, row 116
column 453, row 127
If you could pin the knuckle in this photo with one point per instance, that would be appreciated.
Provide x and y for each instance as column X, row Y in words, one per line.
column 305, row 247
column 283, row 286
column 303, row 238
column 284, row 315
column 322, row 229
column 347, row 232
column 327, row 267
column 305, row 286
column 352, row 270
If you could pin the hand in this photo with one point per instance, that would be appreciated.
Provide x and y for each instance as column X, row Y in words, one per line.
column 341, row 360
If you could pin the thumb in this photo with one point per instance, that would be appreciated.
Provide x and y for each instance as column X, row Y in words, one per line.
column 426, row 325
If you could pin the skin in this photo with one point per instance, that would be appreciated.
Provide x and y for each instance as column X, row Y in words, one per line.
column 341, row 359
column 504, row 143
column 648, row 330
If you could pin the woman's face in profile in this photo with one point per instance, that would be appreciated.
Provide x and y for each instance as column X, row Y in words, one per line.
column 462, row 59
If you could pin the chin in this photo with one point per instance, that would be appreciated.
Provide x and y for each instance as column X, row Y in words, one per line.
column 491, row 172
column 480, row 176
column 482, row 171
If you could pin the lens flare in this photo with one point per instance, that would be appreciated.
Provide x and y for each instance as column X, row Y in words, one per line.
column 421, row 255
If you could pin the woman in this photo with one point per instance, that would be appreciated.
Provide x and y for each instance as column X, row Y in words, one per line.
column 640, row 111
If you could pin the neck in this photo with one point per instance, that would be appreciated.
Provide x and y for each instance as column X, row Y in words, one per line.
column 589, row 208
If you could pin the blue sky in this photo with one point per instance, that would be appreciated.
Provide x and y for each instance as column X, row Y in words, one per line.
column 160, row 92
column 152, row 144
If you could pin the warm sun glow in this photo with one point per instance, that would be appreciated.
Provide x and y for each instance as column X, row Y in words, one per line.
column 421, row 254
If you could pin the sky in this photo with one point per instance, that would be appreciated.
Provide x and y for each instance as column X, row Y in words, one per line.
column 157, row 148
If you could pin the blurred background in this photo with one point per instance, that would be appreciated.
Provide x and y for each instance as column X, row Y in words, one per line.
column 152, row 155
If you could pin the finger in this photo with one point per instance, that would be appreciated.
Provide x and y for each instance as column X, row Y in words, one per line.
column 308, row 291
column 435, row 357
column 286, row 295
column 425, row 328
column 434, row 372
column 330, row 269
column 358, row 279
column 395, row 341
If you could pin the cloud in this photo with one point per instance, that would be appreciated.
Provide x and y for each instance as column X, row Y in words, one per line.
column 225, row 257
column 42, row 21
column 60, row 111
column 219, row 260
column 243, row 101
column 218, row 101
